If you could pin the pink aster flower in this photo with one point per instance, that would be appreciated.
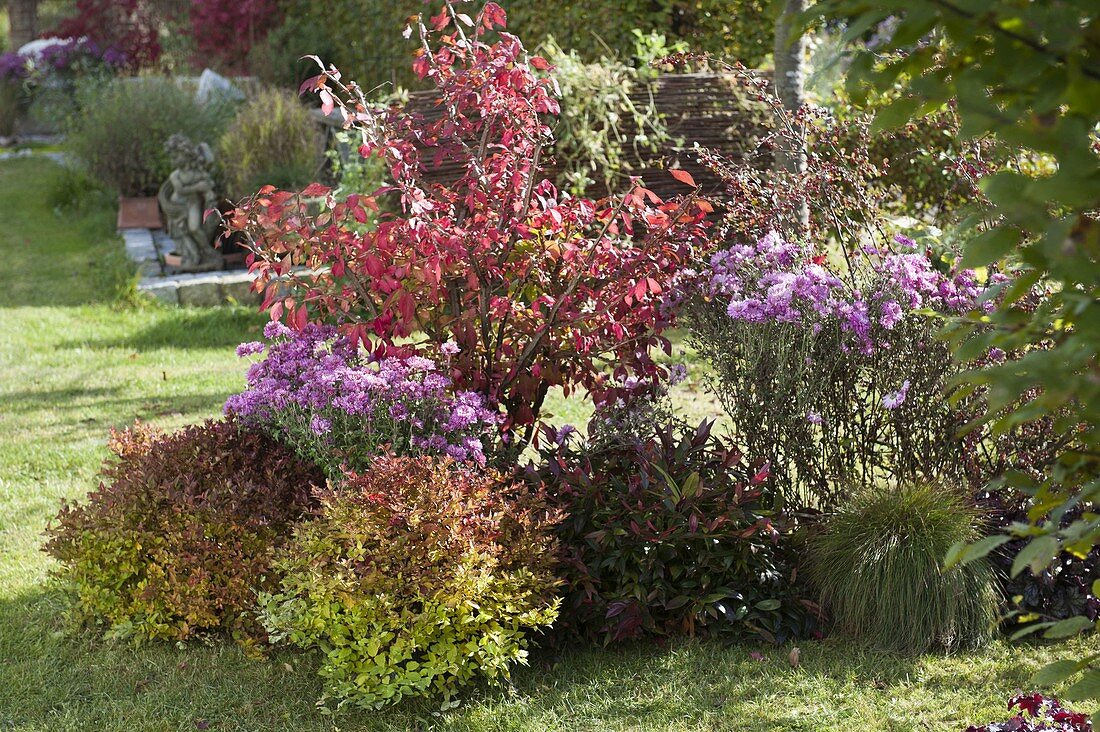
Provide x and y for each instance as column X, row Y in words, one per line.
column 895, row 399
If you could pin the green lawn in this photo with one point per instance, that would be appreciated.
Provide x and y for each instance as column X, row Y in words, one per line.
column 75, row 363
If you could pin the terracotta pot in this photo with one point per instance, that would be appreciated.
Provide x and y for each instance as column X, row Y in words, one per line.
column 139, row 213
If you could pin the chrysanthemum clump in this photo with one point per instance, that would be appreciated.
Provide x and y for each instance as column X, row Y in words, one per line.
column 342, row 408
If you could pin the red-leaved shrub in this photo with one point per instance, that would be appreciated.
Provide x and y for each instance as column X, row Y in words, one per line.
column 668, row 532
column 536, row 288
column 228, row 31
column 1038, row 713
column 179, row 535
column 129, row 27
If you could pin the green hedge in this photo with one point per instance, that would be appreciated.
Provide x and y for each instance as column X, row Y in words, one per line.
column 364, row 39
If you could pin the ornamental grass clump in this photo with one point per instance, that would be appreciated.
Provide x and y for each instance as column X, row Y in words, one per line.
column 340, row 408
column 878, row 564
column 273, row 140
column 415, row 579
column 179, row 536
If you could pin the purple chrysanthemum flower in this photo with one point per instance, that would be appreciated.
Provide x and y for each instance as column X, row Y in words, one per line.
column 563, row 433
column 895, row 399
column 274, row 329
column 249, row 349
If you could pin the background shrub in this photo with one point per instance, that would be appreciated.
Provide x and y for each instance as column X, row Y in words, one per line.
column 277, row 59
column 1062, row 590
column 662, row 535
column 367, row 43
column 179, row 535
column 273, row 140
column 415, row 578
column 11, row 94
column 878, row 565
column 224, row 33
column 120, row 133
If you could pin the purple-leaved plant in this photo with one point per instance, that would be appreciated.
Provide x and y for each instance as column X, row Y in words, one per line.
column 1038, row 713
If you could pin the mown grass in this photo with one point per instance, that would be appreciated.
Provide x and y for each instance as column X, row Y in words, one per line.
column 74, row 363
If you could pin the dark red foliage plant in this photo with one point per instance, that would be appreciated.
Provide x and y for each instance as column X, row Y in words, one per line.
column 129, row 27
column 535, row 287
column 669, row 532
column 180, row 534
column 1038, row 714
column 228, row 31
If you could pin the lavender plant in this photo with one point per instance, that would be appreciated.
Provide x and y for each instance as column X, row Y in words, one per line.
column 341, row 408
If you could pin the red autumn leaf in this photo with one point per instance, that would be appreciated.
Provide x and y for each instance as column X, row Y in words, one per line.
column 316, row 189
column 683, row 176
column 494, row 15
column 311, row 84
column 441, row 21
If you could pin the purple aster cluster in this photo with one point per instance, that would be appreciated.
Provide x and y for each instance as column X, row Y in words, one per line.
column 13, row 67
column 316, row 384
column 780, row 281
column 61, row 58
column 74, row 55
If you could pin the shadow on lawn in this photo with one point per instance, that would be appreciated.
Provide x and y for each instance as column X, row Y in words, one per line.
column 108, row 402
column 184, row 328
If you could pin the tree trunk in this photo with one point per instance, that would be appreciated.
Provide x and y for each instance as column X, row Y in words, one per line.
column 23, row 20
column 790, row 78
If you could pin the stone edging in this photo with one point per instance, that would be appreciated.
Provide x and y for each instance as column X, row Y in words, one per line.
column 201, row 289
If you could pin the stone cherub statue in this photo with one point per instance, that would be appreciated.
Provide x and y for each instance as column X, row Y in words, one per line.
column 184, row 198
